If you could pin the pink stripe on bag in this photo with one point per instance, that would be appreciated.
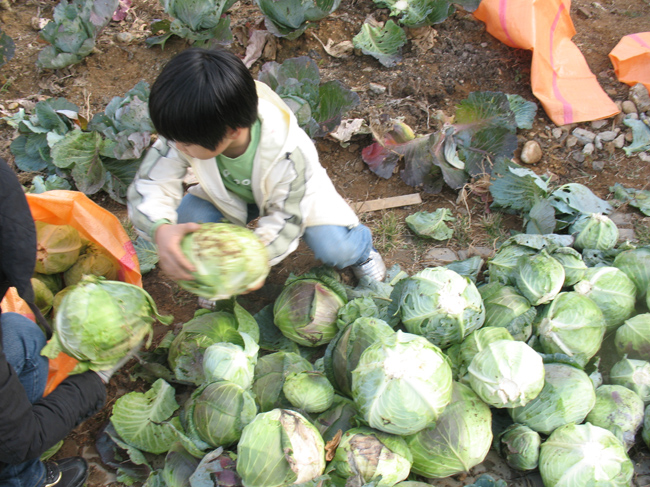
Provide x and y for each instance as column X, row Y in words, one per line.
column 638, row 38
column 503, row 6
column 568, row 109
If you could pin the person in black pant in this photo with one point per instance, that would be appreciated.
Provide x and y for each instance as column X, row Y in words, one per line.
column 30, row 423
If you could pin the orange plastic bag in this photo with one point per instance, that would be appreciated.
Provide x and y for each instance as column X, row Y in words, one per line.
column 560, row 76
column 95, row 224
column 631, row 59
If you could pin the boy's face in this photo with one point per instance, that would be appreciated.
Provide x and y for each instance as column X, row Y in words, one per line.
column 200, row 152
column 233, row 145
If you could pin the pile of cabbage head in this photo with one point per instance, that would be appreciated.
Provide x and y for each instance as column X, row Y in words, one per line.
column 63, row 257
column 544, row 359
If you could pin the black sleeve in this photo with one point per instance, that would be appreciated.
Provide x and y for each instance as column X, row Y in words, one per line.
column 27, row 430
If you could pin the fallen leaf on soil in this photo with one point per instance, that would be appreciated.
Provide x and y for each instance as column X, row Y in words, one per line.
column 341, row 50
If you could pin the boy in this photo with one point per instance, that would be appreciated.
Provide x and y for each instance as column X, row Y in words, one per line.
column 251, row 159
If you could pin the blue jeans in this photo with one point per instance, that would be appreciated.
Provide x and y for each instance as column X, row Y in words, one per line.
column 334, row 245
column 22, row 342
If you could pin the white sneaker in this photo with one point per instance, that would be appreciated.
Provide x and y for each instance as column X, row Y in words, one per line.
column 207, row 304
column 374, row 267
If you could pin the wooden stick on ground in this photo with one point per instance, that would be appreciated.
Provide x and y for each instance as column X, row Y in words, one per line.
column 385, row 203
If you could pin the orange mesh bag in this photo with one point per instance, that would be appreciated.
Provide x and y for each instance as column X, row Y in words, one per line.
column 94, row 223
column 631, row 59
column 560, row 76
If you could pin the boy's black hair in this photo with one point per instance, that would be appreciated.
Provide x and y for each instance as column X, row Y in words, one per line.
column 200, row 94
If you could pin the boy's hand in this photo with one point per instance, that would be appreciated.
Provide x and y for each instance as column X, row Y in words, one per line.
column 171, row 258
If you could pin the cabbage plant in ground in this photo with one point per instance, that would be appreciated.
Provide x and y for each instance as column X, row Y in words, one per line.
column 203, row 22
column 458, row 440
column 72, row 33
column 418, row 13
column 279, row 447
column 439, row 304
column 506, row 374
column 318, row 106
column 229, row 260
column 584, row 455
column 401, row 384
column 567, row 397
column 484, row 131
column 290, row 18
column 365, row 455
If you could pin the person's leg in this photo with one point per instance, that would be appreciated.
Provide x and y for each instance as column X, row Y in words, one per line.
column 22, row 342
column 339, row 246
column 195, row 209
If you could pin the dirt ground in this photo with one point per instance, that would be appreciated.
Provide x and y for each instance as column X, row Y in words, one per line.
column 429, row 82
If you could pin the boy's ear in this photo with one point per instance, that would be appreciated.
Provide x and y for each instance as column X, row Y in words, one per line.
column 233, row 133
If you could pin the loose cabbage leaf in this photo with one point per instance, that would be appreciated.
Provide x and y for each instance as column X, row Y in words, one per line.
column 383, row 43
column 126, row 459
column 142, row 419
column 639, row 198
column 7, row 48
column 431, row 224
column 640, row 135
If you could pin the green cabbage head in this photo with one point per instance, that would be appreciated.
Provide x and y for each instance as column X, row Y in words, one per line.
column 98, row 322
column 458, row 441
column 229, row 260
column 584, row 455
column 401, row 384
column 567, row 397
column 370, row 453
column 506, row 374
column 278, row 448
column 439, row 304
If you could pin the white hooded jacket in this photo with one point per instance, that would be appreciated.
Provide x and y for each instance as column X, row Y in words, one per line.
column 290, row 187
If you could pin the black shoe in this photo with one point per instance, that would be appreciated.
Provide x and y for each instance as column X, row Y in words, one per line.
column 69, row 472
